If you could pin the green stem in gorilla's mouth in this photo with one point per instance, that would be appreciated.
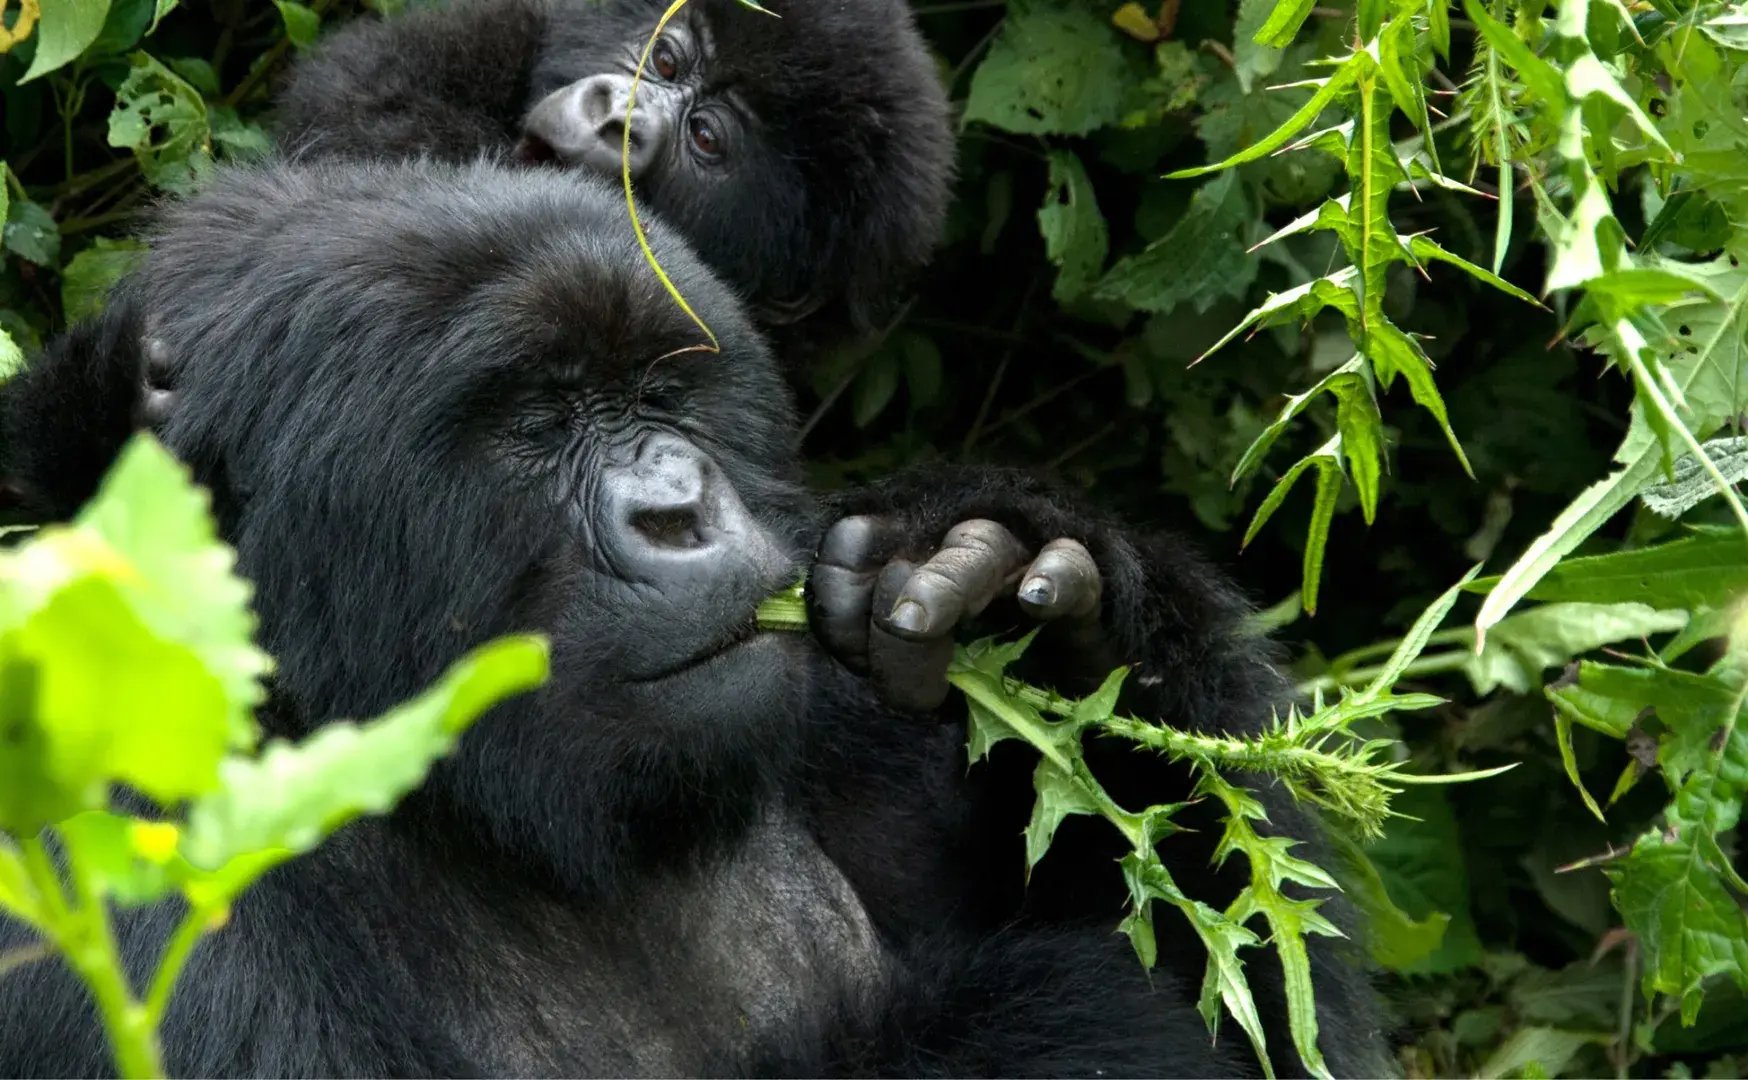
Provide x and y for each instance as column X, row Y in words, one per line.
column 786, row 610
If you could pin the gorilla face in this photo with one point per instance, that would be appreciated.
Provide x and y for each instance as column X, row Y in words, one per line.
column 793, row 149
column 439, row 404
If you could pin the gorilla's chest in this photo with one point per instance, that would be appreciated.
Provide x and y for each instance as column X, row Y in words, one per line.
column 695, row 973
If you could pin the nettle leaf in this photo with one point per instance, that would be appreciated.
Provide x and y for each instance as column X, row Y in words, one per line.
column 291, row 796
column 1196, row 262
column 1058, row 796
column 163, row 120
column 1053, row 70
column 1707, row 570
column 64, row 29
column 1706, row 357
column 1689, row 484
column 1076, row 238
column 1326, row 461
column 1522, row 647
column 88, row 276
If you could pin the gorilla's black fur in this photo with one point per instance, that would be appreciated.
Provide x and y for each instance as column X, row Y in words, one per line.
column 833, row 185
column 435, row 404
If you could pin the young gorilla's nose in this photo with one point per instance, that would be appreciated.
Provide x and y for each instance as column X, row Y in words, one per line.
column 671, row 515
column 600, row 102
column 584, row 124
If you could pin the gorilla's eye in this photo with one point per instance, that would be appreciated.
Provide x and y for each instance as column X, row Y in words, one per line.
column 705, row 137
column 663, row 60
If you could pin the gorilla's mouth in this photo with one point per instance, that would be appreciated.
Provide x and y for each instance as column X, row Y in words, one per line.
column 534, row 150
column 739, row 634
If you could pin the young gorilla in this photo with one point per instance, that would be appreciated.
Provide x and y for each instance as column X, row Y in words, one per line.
column 805, row 157
column 435, row 404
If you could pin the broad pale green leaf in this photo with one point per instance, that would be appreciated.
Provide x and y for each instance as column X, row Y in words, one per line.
column 1422, row 862
column 1394, row 939
column 150, row 512
column 1575, row 524
column 1671, row 894
column 1519, row 649
column 1076, row 239
column 64, row 29
column 1196, row 262
column 1708, row 570
column 102, row 846
column 163, row 120
column 93, row 697
column 1550, row 1048
column 88, row 276
column 1054, row 69
column 1608, row 698
column 291, row 796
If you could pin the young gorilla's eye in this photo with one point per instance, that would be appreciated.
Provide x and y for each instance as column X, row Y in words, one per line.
column 663, row 60
column 705, row 137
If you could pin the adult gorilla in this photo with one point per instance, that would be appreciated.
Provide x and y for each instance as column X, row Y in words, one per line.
column 437, row 404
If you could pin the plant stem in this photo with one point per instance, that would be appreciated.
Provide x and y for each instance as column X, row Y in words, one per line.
column 82, row 932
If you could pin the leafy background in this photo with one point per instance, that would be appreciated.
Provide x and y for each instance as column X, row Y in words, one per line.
column 1058, row 327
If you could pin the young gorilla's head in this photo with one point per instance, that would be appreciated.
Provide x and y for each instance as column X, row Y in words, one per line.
column 806, row 153
column 438, row 404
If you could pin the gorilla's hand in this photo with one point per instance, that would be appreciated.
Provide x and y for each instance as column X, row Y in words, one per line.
column 886, row 604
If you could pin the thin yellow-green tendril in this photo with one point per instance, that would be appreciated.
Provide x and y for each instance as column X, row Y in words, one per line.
column 625, row 169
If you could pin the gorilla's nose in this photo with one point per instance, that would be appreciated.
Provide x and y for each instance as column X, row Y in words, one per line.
column 672, row 516
column 584, row 124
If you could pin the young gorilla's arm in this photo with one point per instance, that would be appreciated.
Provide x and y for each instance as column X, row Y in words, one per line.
column 448, row 82
column 985, row 536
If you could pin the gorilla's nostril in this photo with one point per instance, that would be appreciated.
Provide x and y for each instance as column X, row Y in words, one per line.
column 669, row 527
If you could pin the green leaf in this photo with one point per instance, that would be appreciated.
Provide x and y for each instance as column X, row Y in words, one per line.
column 1425, row 249
column 1689, row 484
column 150, row 512
column 1076, row 239
column 1707, row 570
column 1196, row 262
column 1327, row 91
column 874, row 388
column 1423, row 863
column 31, row 233
column 1255, row 59
column 302, row 24
column 291, row 796
column 1575, row 524
column 1521, row 648
column 1058, row 796
column 1413, row 643
column 17, row 897
column 63, row 31
column 1052, row 70
column 11, row 357
column 1283, row 22
column 163, row 120
column 88, row 276
column 1550, row 1048
column 1395, row 940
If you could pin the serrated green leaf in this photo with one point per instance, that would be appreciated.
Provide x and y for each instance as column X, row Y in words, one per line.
column 1058, row 796
column 150, row 512
column 1414, row 642
column 89, row 275
column 1425, row 249
column 1052, row 70
column 1195, row 262
column 291, row 796
column 1708, row 570
column 1076, row 238
column 1689, row 485
column 64, row 29
column 1327, row 91
column 1519, row 649
column 1302, row 301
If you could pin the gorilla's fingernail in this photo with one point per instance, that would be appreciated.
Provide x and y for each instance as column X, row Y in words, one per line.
column 910, row 616
column 1038, row 590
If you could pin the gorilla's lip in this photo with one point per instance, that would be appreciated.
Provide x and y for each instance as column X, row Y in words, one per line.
column 739, row 634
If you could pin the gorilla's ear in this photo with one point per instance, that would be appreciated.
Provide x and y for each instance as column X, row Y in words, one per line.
column 64, row 417
column 783, row 312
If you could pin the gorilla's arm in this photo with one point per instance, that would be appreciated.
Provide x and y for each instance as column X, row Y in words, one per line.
column 448, row 82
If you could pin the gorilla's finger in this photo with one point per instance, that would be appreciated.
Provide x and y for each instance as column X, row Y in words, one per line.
column 910, row 675
column 1062, row 582
column 976, row 560
column 840, row 589
column 155, row 406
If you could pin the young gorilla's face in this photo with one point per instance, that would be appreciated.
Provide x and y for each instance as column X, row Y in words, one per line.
column 794, row 149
